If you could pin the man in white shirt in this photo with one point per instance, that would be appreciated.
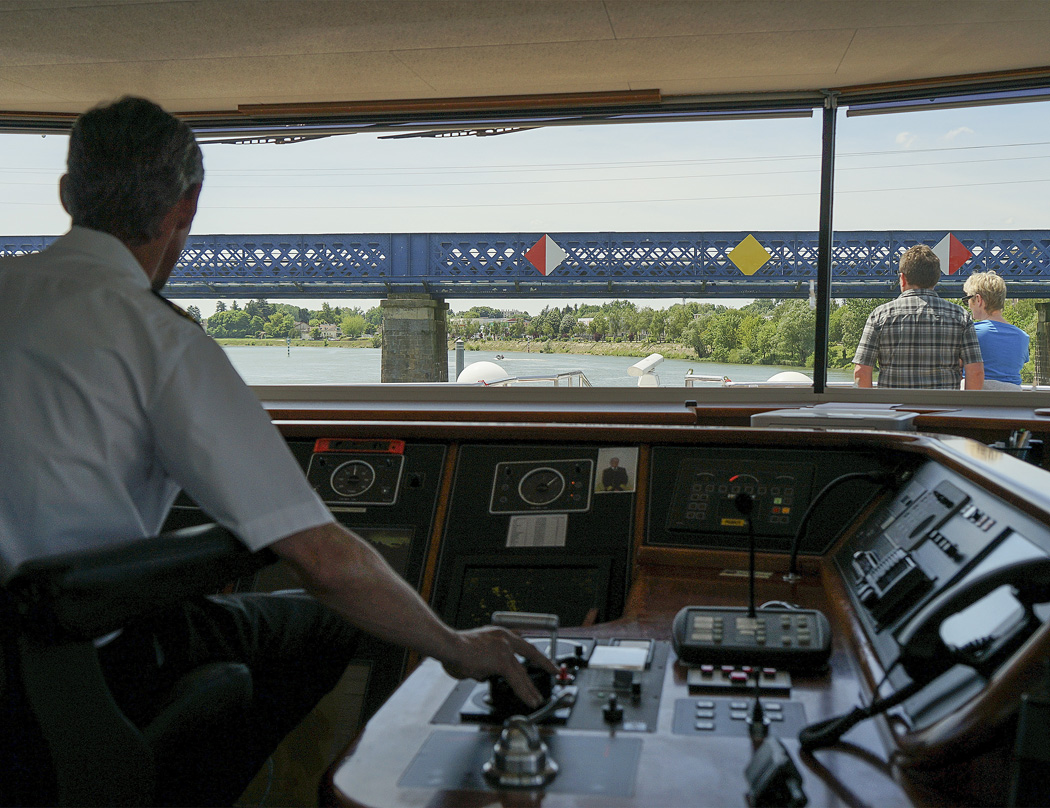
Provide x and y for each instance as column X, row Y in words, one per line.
column 113, row 402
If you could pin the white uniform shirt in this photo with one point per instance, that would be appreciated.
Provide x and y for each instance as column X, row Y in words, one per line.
column 110, row 402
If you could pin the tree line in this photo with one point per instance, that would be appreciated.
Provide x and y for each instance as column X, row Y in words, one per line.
column 764, row 332
column 259, row 318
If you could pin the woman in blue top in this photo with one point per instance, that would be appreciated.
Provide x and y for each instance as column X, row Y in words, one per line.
column 1004, row 347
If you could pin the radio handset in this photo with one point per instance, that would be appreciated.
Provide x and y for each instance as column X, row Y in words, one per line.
column 924, row 654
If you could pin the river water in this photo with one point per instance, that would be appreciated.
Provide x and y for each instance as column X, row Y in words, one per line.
column 300, row 365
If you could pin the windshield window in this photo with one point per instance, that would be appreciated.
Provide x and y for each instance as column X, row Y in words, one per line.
column 971, row 184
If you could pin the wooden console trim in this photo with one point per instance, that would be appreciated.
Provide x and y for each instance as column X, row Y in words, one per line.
column 481, row 411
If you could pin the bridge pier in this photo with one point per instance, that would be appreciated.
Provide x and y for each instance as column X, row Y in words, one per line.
column 415, row 338
column 1040, row 351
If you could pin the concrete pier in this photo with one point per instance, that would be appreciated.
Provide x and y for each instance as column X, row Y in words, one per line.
column 415, row 338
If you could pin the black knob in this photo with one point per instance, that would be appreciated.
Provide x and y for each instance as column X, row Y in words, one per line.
column 744, row 503
column 612, row 712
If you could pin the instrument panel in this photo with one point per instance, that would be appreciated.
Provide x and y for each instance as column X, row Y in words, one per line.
column 705, row 490
column 692, row 493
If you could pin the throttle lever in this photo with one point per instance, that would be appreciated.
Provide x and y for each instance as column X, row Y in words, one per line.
column 525, row 621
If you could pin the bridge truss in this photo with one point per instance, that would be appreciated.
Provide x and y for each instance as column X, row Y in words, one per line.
column 622, row 265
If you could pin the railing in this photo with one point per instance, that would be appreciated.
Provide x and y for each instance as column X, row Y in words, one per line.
column 572, row 378
column 692, row 378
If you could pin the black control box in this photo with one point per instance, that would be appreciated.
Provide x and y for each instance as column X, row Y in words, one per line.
column 789, row 639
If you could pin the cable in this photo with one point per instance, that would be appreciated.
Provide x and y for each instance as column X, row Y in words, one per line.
column 825, row 733
column 883, row 478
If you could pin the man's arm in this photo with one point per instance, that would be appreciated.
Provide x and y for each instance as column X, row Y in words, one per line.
column 862, row 375
column 345, row 573
column 974, row 376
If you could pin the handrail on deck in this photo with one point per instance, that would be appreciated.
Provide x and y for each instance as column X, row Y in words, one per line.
column 572, row 378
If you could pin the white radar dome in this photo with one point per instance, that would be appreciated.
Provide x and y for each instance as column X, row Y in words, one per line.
column 486, row 372
column 790, row 377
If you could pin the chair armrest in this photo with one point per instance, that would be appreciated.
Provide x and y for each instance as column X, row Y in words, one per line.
column 88, row 594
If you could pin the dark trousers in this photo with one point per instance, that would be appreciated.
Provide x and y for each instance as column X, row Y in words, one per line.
column 295, row 648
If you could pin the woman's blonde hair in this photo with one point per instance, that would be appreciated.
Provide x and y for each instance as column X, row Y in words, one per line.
column 990, row 287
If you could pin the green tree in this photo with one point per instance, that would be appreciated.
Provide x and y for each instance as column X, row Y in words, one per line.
column 194, row 312
column 327, row 314
column 219, row 307
column 374, row 318
column 259, row 308
column 721, row 333
column 353, row 325
column 796, row 323
column 279, row 325
column 658, row 325
column 678, row 319
column 231, row 324
column 599, row 326
column 567, row 325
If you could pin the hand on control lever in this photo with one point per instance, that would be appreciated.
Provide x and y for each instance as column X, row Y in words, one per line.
column 490, row 651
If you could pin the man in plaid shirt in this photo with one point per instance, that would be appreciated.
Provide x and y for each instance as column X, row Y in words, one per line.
column 919, row 340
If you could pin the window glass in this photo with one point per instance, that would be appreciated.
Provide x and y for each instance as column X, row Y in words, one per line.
column 732, row 203
column 969, row 183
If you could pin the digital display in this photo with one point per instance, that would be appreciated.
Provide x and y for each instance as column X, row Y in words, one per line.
column 570, row 592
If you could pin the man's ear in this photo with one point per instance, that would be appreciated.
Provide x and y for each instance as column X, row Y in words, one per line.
column 186, row 208
column 62, row 183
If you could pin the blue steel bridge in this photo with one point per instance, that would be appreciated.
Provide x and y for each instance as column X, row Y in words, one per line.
column 622, row 265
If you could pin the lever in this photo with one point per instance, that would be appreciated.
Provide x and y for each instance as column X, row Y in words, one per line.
column 535, row 621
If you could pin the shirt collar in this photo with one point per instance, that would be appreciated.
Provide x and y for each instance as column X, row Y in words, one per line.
column 109, row 251
column 921, row 293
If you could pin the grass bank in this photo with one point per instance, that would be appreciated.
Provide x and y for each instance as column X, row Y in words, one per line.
column 669, row 350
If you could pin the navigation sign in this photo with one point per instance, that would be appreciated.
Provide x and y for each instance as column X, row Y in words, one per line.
column 749, row 255
column 952, row 254
column 545, row 255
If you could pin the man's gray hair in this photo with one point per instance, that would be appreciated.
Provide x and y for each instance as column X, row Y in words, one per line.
column 129, row 163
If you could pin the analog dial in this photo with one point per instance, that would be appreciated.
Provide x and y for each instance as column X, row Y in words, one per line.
column 353, row 478
column 541, row 486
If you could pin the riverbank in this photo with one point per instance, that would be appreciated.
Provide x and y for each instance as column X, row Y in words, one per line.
column 669, row 350
column 360, row 342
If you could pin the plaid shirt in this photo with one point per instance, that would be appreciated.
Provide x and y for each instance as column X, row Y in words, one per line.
column 918, row 340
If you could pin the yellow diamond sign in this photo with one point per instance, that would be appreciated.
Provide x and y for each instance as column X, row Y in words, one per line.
column 749, row 256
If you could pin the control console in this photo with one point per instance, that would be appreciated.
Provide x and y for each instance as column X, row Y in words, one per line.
column 793, row 639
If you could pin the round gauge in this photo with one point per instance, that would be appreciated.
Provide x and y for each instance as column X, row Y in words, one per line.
column 353, row 478
column 541, row 486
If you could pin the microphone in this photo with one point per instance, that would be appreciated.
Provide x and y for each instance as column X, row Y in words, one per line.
column 745, row 503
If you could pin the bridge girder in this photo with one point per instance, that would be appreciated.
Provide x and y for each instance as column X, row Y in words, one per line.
column 596, row 265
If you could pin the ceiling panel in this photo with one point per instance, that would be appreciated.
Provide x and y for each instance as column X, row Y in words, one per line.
column 197, row 55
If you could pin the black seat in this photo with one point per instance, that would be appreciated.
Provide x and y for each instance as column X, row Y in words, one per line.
column 67, row 742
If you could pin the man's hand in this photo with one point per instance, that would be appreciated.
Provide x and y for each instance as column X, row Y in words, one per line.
column 490, row 651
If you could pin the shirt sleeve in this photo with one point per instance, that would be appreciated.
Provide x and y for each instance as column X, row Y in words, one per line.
column 868, row 347
column 214, row 438
column 970, row 349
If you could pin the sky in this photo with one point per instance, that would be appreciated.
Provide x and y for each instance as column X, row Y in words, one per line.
column 963, row 169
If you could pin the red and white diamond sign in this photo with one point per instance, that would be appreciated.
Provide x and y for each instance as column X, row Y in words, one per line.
column 545, row 255
column 952, row 254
